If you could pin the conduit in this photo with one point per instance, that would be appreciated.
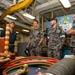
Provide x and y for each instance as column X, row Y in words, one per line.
column 16, row 7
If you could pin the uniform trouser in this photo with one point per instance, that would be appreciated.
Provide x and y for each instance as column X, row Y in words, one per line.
column 35, row 51
column 73, row 50
column 11, row 48
column 54, row 53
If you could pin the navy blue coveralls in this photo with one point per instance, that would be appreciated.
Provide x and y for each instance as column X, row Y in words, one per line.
column 11, row 40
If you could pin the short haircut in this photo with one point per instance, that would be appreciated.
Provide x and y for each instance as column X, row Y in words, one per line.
column 53, row 19
column 13, row 22
column 36, row 20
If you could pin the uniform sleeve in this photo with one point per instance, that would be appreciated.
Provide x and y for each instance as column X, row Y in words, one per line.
column 41, row 34
column 15, row 35
column 48, row 34
column 3, row 33
column 62, row 36
column 30, row 35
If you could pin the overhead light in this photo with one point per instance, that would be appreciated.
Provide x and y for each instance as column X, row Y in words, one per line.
column 11, row 17
column 29, row 16
column 66, row 3
column 1, row 28
column 25, row 30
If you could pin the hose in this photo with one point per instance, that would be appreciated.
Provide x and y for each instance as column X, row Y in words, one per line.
column 65, row 66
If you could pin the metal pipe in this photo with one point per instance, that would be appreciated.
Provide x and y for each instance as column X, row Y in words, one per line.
column 16, row 7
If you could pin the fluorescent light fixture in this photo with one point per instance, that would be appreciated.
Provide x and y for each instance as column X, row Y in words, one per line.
column 25, row 30
column 17, row 32
column 1, row 28
column 29, row 16
column 66, row 3
column 11, row 17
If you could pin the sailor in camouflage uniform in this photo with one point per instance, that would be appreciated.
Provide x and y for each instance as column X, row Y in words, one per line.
column 72, row 32
column 35, row 40
column 56, row 39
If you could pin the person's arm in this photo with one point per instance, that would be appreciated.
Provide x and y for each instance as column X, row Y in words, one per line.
column 71, row 31
column 42, row 37
column 41, row 40
column 28, row 43
column 62, row 37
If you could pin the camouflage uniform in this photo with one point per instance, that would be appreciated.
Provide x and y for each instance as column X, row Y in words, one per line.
column 55, row 40
column 35, row 36
column 72, row 44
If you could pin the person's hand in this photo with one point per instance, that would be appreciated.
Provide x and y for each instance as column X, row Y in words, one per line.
column 39, row 73
column 38, row 44
column 71, row 31
column 27, row 46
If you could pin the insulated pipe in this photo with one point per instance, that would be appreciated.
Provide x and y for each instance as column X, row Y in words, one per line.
column 18, row 23
column 23, row 18
column 65, row 66
column 47, row 6
column 16, row 7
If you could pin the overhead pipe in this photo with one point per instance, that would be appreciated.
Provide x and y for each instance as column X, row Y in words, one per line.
column 16, row 7
column 47, row 6
column 24, row 19
column 27, row 19
column 20, row 13
column 6, row 3
column 18, row 23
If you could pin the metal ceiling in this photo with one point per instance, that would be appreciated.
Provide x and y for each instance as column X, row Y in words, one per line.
column 45, row 8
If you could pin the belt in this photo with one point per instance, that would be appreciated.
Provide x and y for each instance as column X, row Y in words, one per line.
column 11, row 44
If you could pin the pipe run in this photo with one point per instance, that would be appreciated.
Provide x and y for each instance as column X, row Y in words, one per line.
column 16, row 7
